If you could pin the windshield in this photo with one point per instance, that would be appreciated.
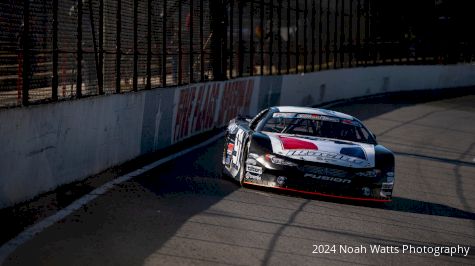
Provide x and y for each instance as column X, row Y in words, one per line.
column 318, row 126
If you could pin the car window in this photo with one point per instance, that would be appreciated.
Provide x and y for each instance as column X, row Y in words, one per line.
column 318, row 126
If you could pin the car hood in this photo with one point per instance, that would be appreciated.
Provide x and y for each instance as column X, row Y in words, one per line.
column 332, row 151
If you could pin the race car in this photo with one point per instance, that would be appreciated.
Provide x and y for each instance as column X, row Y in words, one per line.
column 311, row 151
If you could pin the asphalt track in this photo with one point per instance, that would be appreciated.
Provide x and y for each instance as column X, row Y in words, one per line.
column 185, row 212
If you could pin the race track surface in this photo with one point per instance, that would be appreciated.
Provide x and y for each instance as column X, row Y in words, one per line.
column 185, row 212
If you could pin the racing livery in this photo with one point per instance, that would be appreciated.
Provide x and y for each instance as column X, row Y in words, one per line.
column 309, row 150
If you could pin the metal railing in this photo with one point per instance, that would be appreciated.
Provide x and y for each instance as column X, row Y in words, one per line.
column 53, row 50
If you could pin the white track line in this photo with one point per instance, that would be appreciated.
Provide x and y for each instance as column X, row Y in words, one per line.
column 7, row 248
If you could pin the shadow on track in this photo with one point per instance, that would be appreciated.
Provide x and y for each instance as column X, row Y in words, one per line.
column 397, row 204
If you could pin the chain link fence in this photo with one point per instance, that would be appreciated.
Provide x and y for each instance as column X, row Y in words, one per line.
column 53, row 50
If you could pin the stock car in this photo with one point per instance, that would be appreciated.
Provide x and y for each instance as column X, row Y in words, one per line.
column 311, row 151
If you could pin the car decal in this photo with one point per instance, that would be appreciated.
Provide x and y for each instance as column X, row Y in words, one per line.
column 341, row 153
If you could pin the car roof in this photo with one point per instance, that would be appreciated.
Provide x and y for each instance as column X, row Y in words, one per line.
column 309, row 110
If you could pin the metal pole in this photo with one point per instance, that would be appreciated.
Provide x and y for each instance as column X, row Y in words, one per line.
column 320, row 41
column 149, row 45
column 288, row 37
column 79, row 51
column 350, row 37
column 313, row 34
column 118, row 52
column 202, row 51
column 251, row 40
column 342, row 34
column 136, row 47
column 358, row 33
column 261, row 24
column 327, row 45
column 231, row 38
column 26, row 71
column 164, row 45
column 335, row 37
column 279, row 64
column 100, row 78
column 271, row 36
column 240, row 44
column 297, row 31
column 305, row 53
column 367, row 48
column 94, row 43
column 180, row 52
column 54, row 82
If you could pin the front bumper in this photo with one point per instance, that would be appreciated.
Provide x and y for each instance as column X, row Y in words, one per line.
column 308, row 179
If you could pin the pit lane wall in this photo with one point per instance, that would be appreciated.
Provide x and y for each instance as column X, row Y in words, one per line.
column 45, row 146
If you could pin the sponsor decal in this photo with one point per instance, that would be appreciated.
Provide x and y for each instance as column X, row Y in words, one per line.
column 328, row 178
column 253, row 177
column 230, row 148
column 204, row 106
column 254, row 169
column 283, row 115
column 195, row 110
column 387, row 186
column 325, row 156
column 296, row 144
column 232, row 128
column 318, row 117
column 236, row 99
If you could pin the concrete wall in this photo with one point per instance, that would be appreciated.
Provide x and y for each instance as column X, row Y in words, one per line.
column 45, row 146
column 49, row 145
column 315, row 88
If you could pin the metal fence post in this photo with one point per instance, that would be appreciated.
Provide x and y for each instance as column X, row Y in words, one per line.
column 279, row 41
column 118, row 52
column 350, row 37
column 202, row 51
column 240, row 44
column 305, row 52
column 297, row 32
column 327, row 44
column 164, row 44
column 79, row 52
column 261, row 24
column 231, row 38
column 358, row 33
column 100, row 76
column 313, row 35
column 251, row 40
column 54, row 82
column 271, row 36
column 367, row 38
column 26, row 71
column 149, row 45
column 288, row 37
column 136, row 47
column 335, row 37
column 342, row 34
column 320, row 41
column 180, row 48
